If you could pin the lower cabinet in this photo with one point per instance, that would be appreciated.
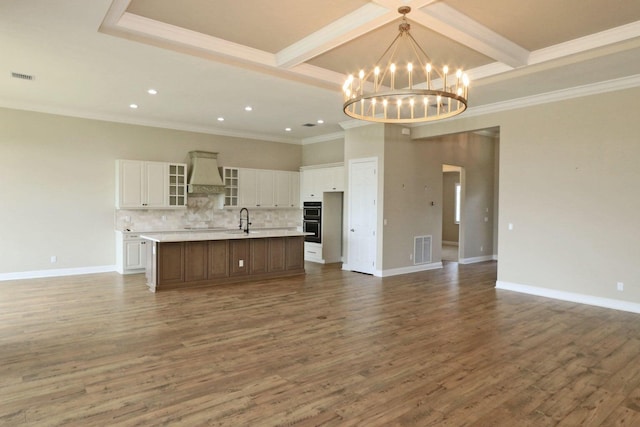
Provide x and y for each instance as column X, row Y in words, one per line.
column 195, row 258
column 223, row 261
column 313, row 252
column 131, row 253
column 294, row 259
column 217, row 259
column 238, row 257
column 171, row 263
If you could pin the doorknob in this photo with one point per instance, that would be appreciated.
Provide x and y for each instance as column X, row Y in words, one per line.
column 352, row 230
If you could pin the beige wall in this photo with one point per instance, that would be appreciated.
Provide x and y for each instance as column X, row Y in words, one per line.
column 413, row 193
column 569, row 184
column 57, row 182
column 323, row 152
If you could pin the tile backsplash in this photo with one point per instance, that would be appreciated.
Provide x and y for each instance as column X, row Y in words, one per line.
column 203, row 212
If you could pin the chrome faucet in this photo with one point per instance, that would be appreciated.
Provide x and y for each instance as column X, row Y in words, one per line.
column 246, row 223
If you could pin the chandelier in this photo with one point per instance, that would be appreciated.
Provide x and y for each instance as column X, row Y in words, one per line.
column 410, row 92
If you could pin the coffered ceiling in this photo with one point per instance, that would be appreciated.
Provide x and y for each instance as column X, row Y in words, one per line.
column 288, row 58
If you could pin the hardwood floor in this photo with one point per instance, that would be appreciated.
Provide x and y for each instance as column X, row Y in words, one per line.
column 332, row 348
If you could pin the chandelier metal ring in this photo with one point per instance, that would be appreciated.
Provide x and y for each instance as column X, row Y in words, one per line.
column 391, row 95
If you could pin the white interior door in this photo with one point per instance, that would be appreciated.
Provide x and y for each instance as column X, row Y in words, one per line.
column 363, row 192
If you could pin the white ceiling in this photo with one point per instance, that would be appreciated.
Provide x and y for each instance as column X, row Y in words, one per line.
column 288, row 58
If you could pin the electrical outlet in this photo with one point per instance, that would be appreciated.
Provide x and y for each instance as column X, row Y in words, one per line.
column 241, row 263
column 410, row 257
column 481, row 248
column 54, row 259
column 620, row 286
column 164, row 217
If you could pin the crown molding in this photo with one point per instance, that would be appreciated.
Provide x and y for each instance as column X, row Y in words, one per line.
column 582, row 44
column 559, row 95
column 323, row 138
column 162, row 124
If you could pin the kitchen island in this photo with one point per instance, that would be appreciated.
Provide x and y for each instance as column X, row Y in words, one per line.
column 203, row 258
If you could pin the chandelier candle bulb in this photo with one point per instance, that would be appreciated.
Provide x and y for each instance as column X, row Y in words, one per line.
column 445, row 70
column 411, row 102
column 393, row 76
column 428, row 76
column 410, row 69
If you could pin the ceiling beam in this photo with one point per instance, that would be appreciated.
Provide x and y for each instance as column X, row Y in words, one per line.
column 464, row 30
column 363, row 20
column 359, row 22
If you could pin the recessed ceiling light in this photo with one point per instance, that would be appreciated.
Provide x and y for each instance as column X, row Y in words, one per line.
column 134, row 106
column 287, row 129
column 152, row 92
column 221, row 119
column 248, row 108
column 320, row 121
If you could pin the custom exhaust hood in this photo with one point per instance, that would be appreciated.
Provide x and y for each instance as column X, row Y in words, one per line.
column 204, row 177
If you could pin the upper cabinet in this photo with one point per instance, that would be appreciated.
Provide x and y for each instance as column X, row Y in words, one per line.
column 318, row 180
column 261, row 188
column 286, row 189
column 230, row 177
column 150, row 185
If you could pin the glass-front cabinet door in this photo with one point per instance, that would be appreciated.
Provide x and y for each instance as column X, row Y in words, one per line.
column 177, row 184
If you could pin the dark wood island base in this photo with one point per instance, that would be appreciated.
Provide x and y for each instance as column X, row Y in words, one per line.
column 181, row 264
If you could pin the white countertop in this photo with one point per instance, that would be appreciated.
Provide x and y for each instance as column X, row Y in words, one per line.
column 199, row 235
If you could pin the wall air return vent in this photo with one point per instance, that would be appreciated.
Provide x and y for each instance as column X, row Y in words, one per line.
column 421, row 250
column 22, row 76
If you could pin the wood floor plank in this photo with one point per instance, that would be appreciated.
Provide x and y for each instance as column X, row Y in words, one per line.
column 330, row 348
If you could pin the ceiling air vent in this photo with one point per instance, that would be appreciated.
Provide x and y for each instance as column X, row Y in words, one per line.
column 22, row 76
column 309, row 125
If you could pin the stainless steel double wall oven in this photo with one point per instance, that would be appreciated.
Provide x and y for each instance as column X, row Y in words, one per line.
column 312, row 221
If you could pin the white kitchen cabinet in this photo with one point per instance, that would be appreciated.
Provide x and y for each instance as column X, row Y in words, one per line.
column 287, row 189
column 131, row 253
column 230, row 177
column 261, row 188
column 294, row 179
column 335, row 179
column 313, row 252
column 282, row 182
column 247, row 188
column 149, row 185
column 311, row 185
column 177, row 185
column 266, row 188
column 318, row 180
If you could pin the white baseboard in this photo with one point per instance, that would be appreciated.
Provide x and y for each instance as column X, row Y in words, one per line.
column 476, row 259
column 570, row 296
column 36, row 274
column 494, row 257
column 406, row 270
